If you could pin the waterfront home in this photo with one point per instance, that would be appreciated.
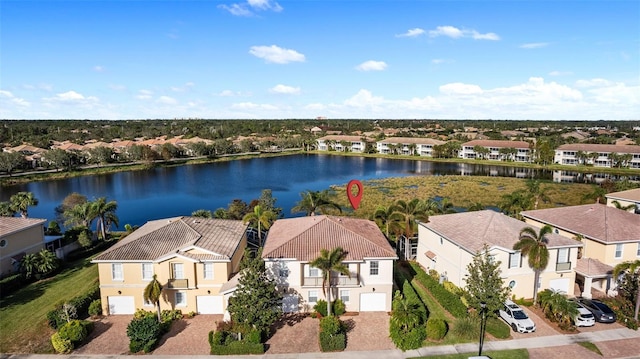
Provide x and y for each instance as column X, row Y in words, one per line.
column 192, row 258
column 496, row 150
column 408, row 146
column 294, row 242
column 598, row 155
column 610, row 237
column 448, row 243
column 18, row 237
column 629, row 199
column 342, row 143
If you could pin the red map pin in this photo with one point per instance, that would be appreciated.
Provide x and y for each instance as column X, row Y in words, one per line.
column 354, row 198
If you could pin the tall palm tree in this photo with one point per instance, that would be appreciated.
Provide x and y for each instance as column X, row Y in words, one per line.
column 387, row 217
column 328, row 262
column 202, row 213
column 630, row 267
column 152, row 293
column 21, row 201
column 537, row 192
column 105, row 212
column 315, row 201
column 514, row 203
column 534, row 245
column 79, row 215
column 260, row 218
column 412, row 211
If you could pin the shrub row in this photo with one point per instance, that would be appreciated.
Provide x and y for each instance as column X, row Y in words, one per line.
column 144, row 330
column 333, row 336
column 81, row 303
column 70, row 335
column 337, row 308
column 450, row 301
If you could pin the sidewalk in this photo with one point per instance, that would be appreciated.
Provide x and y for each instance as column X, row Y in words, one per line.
column 471, row 348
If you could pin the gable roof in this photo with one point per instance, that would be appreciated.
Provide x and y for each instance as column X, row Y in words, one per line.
column 9, row 225
column 595, row 221
column 472, row 230
column 632, row 195
column 303, row 238
column 594, row 147
column 415, row 140
column 497, row 143
column 590, row 267
column 160, row 238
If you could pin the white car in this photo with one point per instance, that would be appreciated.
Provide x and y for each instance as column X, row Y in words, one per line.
column 584, row 318
column 517, row 319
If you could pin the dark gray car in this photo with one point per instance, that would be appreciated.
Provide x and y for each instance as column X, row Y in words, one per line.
column 601, row 311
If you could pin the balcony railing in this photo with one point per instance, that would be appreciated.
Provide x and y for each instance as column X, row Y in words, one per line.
column 178, row 283
column 560, row 267
column 335, row 281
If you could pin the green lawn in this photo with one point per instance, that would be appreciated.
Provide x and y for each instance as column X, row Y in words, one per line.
column 501, row 354
column 23, row 314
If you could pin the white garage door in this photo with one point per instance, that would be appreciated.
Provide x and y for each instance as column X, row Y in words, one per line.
column 373, row 302
column 290, row 303
column 121, row 305
column 560, row 284
column 209, row 304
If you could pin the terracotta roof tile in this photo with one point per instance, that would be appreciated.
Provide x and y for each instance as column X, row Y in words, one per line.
column 591, row 267
column 416, row 140
column 497, row 143
column 10, row 225
column 629, row 195
column 592, row 147
column 303, row 238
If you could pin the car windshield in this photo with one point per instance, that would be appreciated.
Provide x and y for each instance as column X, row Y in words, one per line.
column 586, row 316
column 518, row 314
column 603, row 307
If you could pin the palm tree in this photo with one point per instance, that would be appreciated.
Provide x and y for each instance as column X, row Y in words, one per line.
column 387, row 217
column 412, row 211
column 514, row 203
column 444, row 206
column 598, row 195
column 538, row 193
column 261, row 219
column 477, row 206
column 627, row 268
column 106, row 214
column 21, row 201
column 555, row 305
column 202, row 213
column 328, row 262
column 534, row 245
column 6, row 210
column 315, row 201
column 618, row 205
column 47, row 261
column 29, row 264
column 152, row 293
column 406, row 313
column 79, row 215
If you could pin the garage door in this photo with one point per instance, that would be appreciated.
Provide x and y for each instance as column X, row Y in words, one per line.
column 121, row 305
column 209, row 304
column 373, row 302
column 290, row 303
column 560, row 285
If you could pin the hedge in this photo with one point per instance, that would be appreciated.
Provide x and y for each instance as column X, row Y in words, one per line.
column 450, row 301
column 224, row 343
column 81, row 304
column 332, row 335
column 436, row 328
column 70, row 335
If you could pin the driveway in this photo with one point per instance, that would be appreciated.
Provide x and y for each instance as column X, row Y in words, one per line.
column 368, row 331
column 294, row 333
column 543, row 327
column 109, row 336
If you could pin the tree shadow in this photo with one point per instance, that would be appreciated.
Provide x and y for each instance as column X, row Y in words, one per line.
column 176, row 328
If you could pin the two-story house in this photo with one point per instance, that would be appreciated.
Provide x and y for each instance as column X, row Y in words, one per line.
column 629, row 199
column 448, row 243
column 408, row 146
column 192, row 258
column 342, row 143
column 610, row 237
column 497, row 150
column 19, row 236
column 598, row 155
column 294, row 242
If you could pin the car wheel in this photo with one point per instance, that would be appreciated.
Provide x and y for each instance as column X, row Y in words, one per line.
column 515, row 329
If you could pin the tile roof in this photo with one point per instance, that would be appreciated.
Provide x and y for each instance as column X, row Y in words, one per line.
column 595, row 221
column 303, row 238
column 629, row 195
column 341, row 138
column 416, row 140
column 592, row 147
column 472, row 230
column 159, row 238
column 497, row 143
column 591, row 267
column 9, row 225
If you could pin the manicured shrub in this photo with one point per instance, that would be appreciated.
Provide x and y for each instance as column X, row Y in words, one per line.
column 224, row 341
column 338, row 307
column 57, row 317
column 407, row 339
column 61, row 345
column 143, row 334
column 95, row 308
column 436, row 328
column 448, row 300
column 76, row 331
column 237, row 348
column 321, row 307
column 332, row 336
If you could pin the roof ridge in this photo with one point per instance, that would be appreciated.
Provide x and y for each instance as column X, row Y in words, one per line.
column 333, row 218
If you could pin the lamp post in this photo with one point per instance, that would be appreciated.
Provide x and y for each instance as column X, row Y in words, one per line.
column 483, row 325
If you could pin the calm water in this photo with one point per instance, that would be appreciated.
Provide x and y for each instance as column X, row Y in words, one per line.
column 165, row 192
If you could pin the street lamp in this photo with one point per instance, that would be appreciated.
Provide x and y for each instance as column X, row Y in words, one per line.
column 483, row 325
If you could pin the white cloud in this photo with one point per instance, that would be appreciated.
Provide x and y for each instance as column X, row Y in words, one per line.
column 144, row 95
column 372, row 65
column 458, row 88
column 594, row 83
column 455, row 33
column 412, row 33
column 71, row 96
column 284, row 89
column 534, row 45
column 275, row 54
column 250, row 7
column 166, row 100
column 13, row 99
column 98, row 68
column 364, row 98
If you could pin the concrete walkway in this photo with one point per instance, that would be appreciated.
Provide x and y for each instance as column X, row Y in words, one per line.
column 471, row 348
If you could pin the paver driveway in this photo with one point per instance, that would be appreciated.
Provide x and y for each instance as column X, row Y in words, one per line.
column 109, row 336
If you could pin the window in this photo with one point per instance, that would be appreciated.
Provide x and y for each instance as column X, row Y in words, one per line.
column 3, row 243
column 178, row 271
column 207, row 270
column 638, row 250
column 514, row 260
column 147, row 271
column 618, row 250
column 373, row 268
column 181, row 299
column 512, row 284
column 563, row 255
column 313, row 296
column 344, row 296
column 283, row 272
column 116, row 271
column 314, row 272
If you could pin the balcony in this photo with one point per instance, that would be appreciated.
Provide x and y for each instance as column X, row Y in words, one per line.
column 178, row 284
column 335, row 281
column 563, row 267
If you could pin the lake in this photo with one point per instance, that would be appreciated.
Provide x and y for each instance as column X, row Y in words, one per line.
column 175, row 191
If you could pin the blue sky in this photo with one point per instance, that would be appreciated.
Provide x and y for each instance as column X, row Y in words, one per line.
column 262, row 59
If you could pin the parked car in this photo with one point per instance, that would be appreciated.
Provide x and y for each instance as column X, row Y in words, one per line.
column 584, row 318
column 601, row 311
column 516, row 318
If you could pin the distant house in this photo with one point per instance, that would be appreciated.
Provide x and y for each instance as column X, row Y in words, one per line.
column 447, row 243
column 294, row 242
column 610, row 236
column 192, row 258
column 408, row 146
column 626, row 199
column 598, row 155
column 498, row 150
column 342, row 143
column 18, row 237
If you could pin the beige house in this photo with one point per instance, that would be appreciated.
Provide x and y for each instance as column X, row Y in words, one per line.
column 520, row 151
column 408, row 145
column 342, row 143
column 625, row 199
column 294, row 242
column 192, row 258
column 448, row 243
column 598, row 155
column 19, row 236
column 610, row 236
